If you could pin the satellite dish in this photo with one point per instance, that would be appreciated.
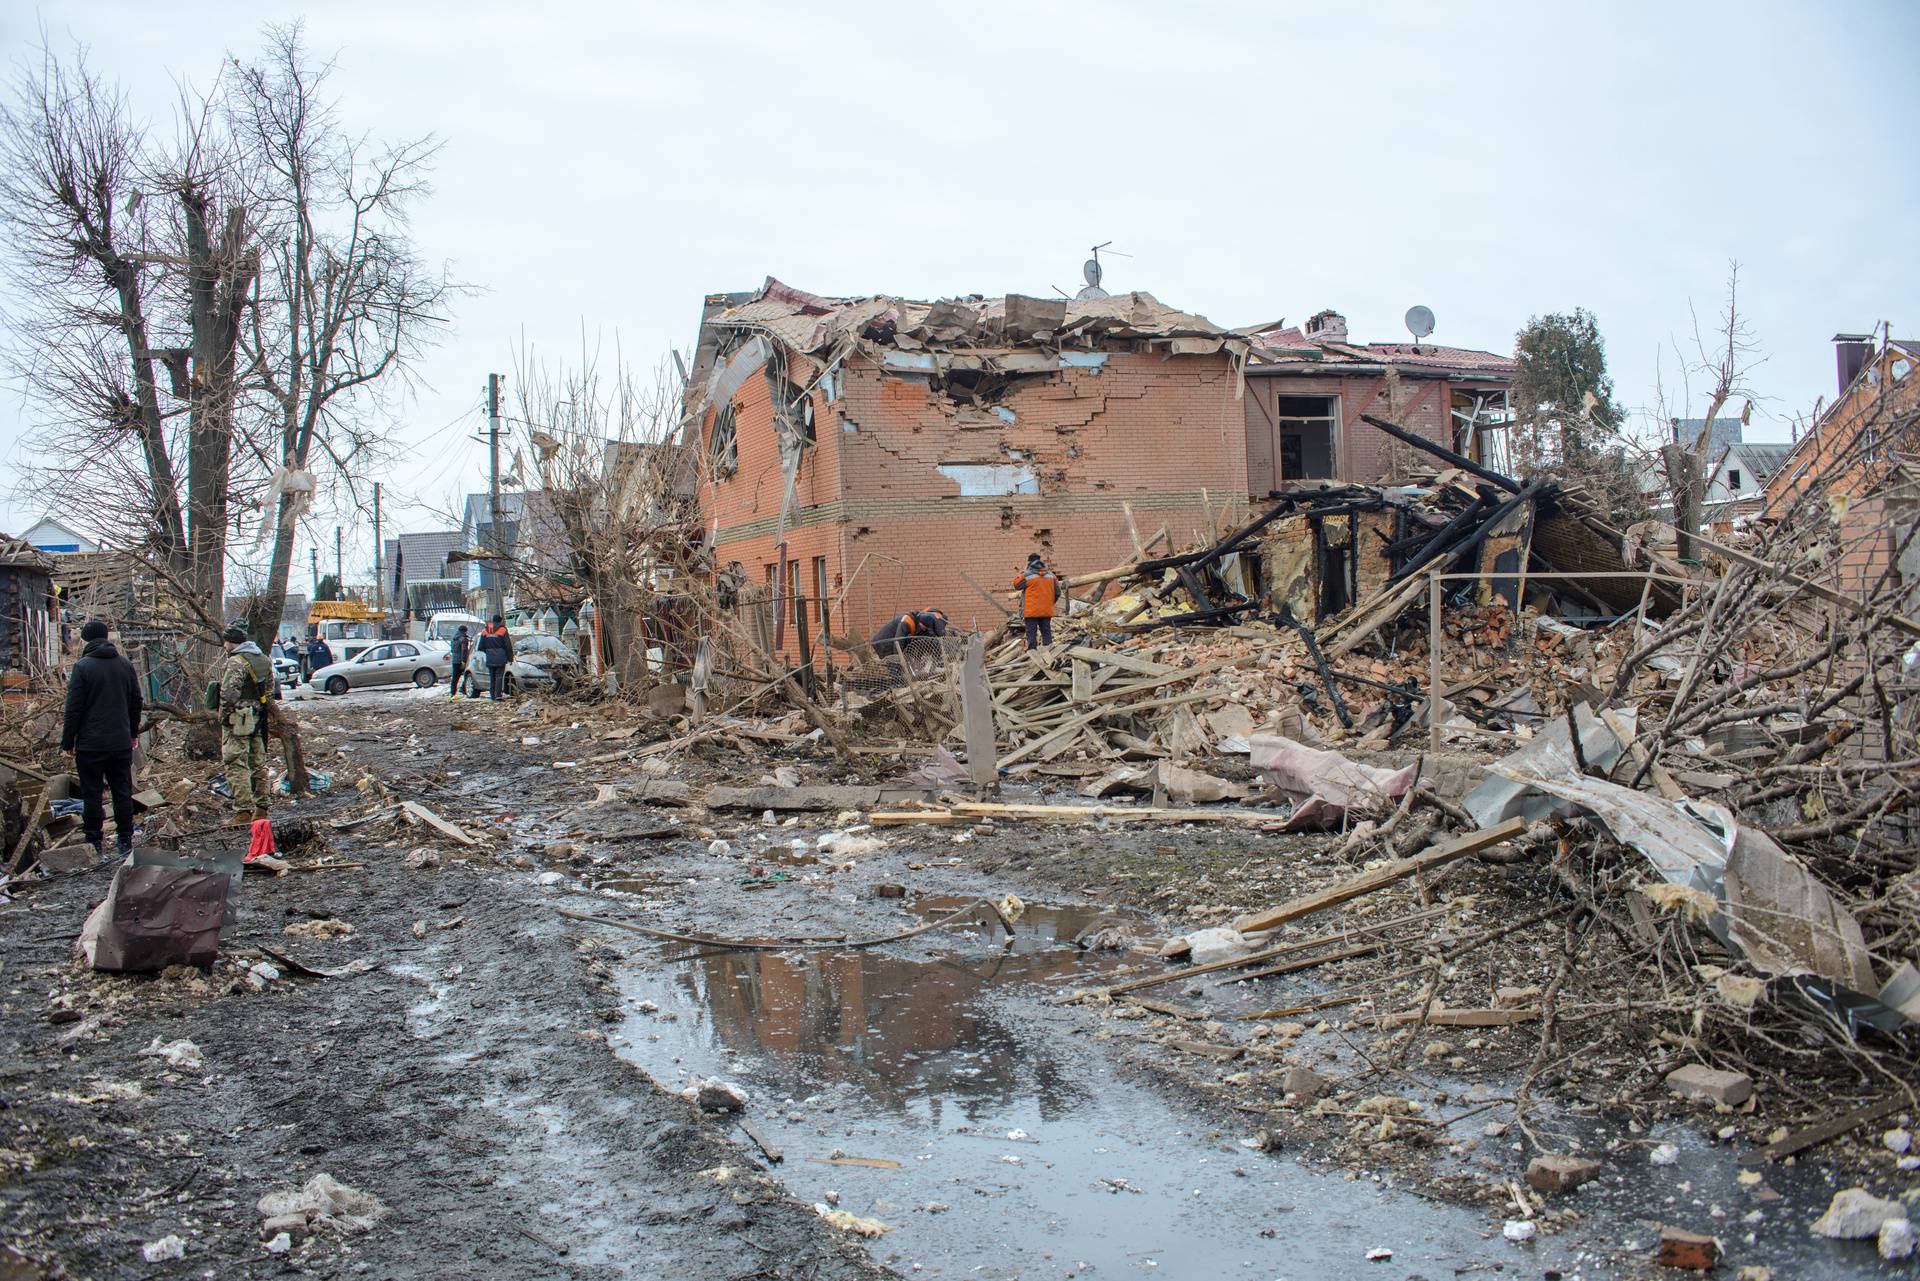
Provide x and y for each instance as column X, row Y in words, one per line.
column 1419, row 322
column 1091, row 270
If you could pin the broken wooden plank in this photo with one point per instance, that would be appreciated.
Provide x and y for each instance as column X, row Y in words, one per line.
column 1205, row 1049
column 805, row 798
column 1265, row 954
column 1813, row 1135
column 1377, row 878
column 1126, row 662
column 422, row 814
column 906, row 818
column 1463, row 1018
column 773, row 1154
column 976, row 705
column 1309, row 962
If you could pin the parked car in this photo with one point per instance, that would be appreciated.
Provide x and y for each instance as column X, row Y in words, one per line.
column 286, row 672
column 541, row 661
column 424, row 663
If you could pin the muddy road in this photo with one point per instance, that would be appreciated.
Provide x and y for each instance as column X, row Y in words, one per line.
column 504, row 1078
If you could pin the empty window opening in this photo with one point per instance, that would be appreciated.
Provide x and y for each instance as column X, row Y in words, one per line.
column 1482, row 422
column 1733, row 479
column 1306, row 426
column 723, row 445
column 980, row 480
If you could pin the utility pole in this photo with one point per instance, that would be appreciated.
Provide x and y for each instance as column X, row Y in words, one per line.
column 496, row 603
column 339, row 577
column 379, row 549
column 313, row 554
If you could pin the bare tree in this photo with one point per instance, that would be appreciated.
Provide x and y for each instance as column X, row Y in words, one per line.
column 346, row 302
column 604, row 452
column 136, row 258
column 1724, row 364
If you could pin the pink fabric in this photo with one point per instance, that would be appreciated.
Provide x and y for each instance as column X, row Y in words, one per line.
column 262, row 842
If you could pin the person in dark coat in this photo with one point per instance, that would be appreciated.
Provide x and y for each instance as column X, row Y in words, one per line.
column 103, row 715
column 497, row 648
column 319, row 655
column 461, row 650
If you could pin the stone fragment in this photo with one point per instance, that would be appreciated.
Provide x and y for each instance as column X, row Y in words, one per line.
column 1698, row 1081
column 1560, row 1173
column 1691, row 1250
column 1304, row 1083
column 1898, row 1141
column 1515, row 998
column 1896, row 1239
column 1856, row 1214
column 294, row 1226
column 715, row 1095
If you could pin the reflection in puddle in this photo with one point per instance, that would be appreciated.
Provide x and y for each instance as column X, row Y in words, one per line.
column 901, row 1029
column 1002, row 1142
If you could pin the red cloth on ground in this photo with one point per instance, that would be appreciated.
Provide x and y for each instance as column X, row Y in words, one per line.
column 262, row 842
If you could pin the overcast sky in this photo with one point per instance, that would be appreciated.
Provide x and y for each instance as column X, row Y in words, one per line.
column 606, row 165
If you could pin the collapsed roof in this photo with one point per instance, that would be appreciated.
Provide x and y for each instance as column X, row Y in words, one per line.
column 834, row 327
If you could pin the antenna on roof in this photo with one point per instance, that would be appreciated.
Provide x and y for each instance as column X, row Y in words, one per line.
column 1091, row 271
column 1419, row 323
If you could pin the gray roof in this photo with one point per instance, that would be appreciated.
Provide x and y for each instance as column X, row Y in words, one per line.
column 412, row 557
column 1726, row 431
column 1763, row 457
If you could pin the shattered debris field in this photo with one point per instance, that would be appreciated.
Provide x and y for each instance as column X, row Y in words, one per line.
column 503, row 1077
column 1532, row 902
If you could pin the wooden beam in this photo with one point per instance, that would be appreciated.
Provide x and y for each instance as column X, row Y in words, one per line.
column 1380, row 877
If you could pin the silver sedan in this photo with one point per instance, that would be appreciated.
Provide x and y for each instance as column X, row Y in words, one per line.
column 423, row 663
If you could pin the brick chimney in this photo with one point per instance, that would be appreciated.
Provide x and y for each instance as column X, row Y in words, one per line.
column 1327, row 326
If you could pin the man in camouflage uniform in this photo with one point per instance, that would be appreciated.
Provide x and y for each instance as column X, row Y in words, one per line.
column 246, row 683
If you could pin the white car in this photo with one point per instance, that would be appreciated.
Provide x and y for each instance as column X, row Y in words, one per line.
column 423, row 663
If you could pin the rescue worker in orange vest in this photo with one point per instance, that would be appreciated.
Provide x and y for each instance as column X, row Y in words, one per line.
column 893, row 636
column 1039, row 589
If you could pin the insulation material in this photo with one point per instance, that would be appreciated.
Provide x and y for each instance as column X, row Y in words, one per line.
column 1324, row 786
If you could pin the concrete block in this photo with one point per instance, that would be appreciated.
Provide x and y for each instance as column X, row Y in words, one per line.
column 1560, row 1173
column 1698, row 1081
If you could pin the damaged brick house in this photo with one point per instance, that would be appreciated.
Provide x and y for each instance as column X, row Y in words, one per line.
column 1308, row 387
column 1860, row 460
column 886, row 454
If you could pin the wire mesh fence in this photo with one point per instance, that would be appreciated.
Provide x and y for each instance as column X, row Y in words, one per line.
column 915, row 658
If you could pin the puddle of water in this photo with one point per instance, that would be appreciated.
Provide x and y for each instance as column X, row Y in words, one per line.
column 1022, row 1151
column 636, row 885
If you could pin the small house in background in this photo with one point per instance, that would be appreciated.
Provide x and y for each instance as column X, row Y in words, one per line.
column 532, row 542
column 1308, row 386
column 1741, row 468
column 52, row 536
column 419, row 578
column 29, row 617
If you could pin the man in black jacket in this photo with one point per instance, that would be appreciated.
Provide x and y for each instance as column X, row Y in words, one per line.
column 460, row 649
column 103, row 715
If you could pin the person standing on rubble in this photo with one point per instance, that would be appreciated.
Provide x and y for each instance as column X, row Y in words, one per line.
column 103, row 716
column 1039, row 589
column 497, row 648
column 246, row 684
column 461, row 650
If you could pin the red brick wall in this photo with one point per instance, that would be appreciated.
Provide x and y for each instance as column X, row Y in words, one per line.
column 1147, row 429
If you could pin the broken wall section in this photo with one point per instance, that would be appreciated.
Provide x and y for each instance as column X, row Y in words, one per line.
column 1064, row 447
